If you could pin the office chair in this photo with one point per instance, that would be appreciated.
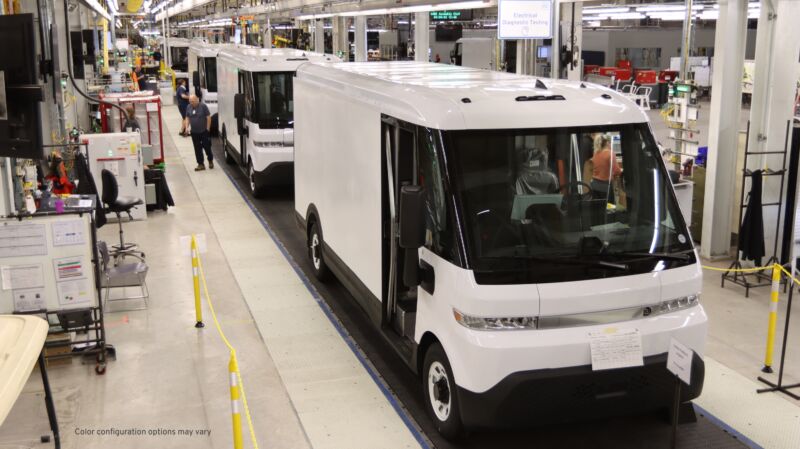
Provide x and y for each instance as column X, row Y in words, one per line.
column 118, row 205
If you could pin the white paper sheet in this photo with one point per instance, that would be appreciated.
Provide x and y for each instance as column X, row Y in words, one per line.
column 29, row 299
column 18, row 240
column 17, row 277
column 68, row 233
column 67, row 268
column 679, row 361
column 616, row 348
column 76, row 291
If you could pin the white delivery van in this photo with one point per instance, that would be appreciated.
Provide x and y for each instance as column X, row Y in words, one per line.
column 203, row 73
column 476, row 52
column 178, row 51
column 256, row 107
column 458, row 206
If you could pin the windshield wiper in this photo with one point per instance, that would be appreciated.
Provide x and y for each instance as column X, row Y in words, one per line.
column 564, row 261
column 682, row 257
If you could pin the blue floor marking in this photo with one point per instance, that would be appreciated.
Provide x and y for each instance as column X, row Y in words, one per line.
column 407, row 420
column 730, row 430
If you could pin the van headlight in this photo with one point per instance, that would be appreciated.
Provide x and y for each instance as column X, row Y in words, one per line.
column 676, row 304
column 495, row 324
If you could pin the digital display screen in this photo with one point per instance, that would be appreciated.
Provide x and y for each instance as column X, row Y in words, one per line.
column 446, row 15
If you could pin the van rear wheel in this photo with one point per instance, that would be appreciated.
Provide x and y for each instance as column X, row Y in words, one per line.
column 315, row 244
column 441, row 397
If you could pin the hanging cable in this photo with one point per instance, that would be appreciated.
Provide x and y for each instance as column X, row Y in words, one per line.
column 69, row 65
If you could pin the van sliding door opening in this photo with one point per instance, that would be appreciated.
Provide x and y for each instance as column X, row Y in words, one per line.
column 399, row 162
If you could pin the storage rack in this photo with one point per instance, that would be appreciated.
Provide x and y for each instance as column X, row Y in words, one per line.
column 762, row 278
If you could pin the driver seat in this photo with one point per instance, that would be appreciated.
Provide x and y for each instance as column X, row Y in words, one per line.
column 533, row 175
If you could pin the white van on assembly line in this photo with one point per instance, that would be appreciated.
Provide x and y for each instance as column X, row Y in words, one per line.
column 203, row 73
column 459, row 207
column 256, row 106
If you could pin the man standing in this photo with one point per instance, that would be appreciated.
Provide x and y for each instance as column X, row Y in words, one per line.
column 198, row 121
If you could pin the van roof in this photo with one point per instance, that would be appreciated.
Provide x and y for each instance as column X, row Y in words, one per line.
column 178, row 42
column 444, row 96
column 255, row 59
column 206, row 50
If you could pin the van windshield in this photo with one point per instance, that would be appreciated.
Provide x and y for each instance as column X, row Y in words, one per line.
column 274, row 99
column 538, row 201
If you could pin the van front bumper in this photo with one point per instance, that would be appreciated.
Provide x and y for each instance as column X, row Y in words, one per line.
column 567, row 394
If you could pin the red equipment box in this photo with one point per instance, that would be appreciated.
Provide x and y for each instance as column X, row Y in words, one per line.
column 667, row 76
column 646, row 77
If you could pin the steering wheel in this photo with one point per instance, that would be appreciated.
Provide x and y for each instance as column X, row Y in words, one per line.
column 491, row 221
column 571, row 187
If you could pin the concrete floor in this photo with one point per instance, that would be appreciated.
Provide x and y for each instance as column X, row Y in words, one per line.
column 306, row 387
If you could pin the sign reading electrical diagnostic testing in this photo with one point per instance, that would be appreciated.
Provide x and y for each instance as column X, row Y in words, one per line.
column 525, row 19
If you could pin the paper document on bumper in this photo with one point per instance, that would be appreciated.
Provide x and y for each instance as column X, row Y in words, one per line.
column 616, row 348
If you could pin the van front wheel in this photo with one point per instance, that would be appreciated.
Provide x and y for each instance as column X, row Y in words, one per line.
column 315, row 254
column 441, row 397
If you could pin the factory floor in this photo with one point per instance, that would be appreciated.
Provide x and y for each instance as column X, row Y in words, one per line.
column 308, row 385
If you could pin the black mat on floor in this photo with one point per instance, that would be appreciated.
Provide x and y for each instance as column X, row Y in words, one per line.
column 644, row 431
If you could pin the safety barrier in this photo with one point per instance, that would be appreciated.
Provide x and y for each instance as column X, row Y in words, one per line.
column 238, row 396
column 777, row 270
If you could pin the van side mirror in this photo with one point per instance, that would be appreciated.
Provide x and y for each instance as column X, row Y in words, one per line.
column 412, row 223
column 196, row 78
column 238, row 113
column 238, row 106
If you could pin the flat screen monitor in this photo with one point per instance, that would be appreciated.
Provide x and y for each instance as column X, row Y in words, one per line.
column 543, row 52
column 448, row 33
column 20, row 95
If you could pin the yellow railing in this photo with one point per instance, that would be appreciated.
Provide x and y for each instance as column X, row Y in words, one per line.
column 238, row 395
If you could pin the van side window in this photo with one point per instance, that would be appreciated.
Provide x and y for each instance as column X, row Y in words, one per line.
column 249, row 98
column 430, row 176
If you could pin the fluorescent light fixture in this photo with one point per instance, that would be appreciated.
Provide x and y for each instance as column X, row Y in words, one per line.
column 98, row 8
column 626, row 16
column 670, row 8
column 593, row 23
column 314, row 16
column 605, row 10
column 422, row 8
column 668, row 16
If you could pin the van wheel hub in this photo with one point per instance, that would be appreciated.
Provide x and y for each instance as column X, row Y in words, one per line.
column 315, row 250
column 439, row 391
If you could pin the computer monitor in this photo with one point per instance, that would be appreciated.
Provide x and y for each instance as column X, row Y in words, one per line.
column 20, row 93
column 543, row 52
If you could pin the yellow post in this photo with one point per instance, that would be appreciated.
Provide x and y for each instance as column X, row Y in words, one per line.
column 773, row 317
column 198, row 311
column 235, row 403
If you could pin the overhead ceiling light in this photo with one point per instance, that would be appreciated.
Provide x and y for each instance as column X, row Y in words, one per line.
column 605, row 10
column 668, row 16
column 668, row 8
column 626, row 16
column 593, row 23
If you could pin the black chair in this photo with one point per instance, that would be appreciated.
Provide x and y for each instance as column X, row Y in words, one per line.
column 118, row 205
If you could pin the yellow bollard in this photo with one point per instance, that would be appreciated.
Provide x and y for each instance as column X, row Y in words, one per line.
column 235, row 403
column 198, row 311
column 773, row 317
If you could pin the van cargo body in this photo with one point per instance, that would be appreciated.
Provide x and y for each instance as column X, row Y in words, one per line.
column 203, row 75
column 462, row 209
column 260, row 136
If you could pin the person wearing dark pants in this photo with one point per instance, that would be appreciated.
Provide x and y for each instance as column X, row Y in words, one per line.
column 183, row 103
column 198, row 121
